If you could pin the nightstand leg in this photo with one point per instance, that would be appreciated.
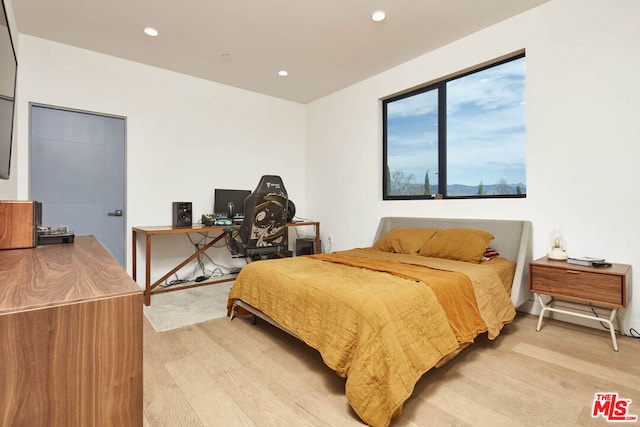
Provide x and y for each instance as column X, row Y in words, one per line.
column 544, row 308
column 550, row 308
column 614, row 312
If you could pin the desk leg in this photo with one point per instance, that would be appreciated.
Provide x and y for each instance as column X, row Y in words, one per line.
column 134, row 259
column 318, row 246
column 150, row 287
column 147, row 278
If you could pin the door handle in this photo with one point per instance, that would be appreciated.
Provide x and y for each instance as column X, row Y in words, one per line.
column 117, row 212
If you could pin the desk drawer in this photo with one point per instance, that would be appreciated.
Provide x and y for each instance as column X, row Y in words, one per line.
column 585, row 286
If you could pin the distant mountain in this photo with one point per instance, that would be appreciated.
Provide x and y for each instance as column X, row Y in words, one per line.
column 470, row 190
column 489, row 190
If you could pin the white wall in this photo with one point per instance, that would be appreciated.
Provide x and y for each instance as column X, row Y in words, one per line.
column 185, row 136
column 583, row 135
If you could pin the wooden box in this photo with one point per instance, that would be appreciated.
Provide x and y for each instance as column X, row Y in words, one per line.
column 19, row 221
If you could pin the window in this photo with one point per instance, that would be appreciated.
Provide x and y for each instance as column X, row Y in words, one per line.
column 463, row 137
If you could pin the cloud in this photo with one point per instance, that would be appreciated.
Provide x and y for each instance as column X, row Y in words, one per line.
column 422, row 104
column 485, row 128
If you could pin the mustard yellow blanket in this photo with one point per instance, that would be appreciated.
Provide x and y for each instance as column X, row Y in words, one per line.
column 378, row 319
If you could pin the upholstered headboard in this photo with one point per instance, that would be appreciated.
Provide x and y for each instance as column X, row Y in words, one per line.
column 511, row 238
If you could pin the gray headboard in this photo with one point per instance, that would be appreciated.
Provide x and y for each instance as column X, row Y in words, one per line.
column 512, row 240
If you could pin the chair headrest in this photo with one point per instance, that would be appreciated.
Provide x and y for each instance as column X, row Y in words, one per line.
column 271, row 184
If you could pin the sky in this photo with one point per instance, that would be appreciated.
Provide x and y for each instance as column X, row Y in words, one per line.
column 485, row 129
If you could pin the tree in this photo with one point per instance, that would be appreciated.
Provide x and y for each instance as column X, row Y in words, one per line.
column 387, row 177
column 503, row 187
column 402, row 183
column 480, row 189
column 427, row 184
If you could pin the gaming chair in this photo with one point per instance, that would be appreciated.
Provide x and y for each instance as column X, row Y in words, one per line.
column 264, row 229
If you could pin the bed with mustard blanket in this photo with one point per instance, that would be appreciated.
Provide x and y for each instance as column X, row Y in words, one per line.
column 383, row 316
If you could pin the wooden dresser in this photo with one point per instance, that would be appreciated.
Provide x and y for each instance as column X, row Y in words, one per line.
column 70, row 337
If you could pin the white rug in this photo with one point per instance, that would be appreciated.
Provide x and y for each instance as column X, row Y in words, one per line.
column 173, row 310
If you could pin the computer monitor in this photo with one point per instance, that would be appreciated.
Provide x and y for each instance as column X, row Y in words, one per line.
column 222, row 199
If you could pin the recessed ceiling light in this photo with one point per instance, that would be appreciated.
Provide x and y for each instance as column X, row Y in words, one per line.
column 283, row 73
column 378, row 15
column 150, row 31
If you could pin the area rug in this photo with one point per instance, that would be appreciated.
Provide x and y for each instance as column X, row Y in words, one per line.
column 173, row 310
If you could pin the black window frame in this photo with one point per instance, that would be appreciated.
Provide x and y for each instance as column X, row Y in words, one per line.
column 441, row 87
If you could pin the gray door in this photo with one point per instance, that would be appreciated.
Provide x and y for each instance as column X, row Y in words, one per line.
column 77, row 172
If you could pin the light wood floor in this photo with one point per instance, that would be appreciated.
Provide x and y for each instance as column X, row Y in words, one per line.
column 222, row 373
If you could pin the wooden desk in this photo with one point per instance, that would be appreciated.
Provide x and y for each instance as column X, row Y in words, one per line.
column 148, row 232
column 70, row 338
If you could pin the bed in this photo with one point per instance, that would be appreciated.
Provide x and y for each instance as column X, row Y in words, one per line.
column 382, row 316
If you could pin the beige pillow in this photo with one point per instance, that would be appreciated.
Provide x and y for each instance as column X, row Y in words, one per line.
column 462, row 244
column 404, row 240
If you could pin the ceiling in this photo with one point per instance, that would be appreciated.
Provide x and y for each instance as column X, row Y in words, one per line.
column 325, row 45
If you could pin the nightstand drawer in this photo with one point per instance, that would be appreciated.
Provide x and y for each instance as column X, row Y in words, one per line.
column 578, row 284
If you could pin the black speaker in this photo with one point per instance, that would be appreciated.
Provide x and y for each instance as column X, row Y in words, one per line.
column 182, row 216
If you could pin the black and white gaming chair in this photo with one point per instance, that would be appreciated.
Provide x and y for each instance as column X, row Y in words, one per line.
column 264, row 229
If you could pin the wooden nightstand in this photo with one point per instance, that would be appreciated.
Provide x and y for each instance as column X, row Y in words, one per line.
column 602, row 287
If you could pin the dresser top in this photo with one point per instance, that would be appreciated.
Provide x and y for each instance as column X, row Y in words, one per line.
column 617, row 269
column 58, row 274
